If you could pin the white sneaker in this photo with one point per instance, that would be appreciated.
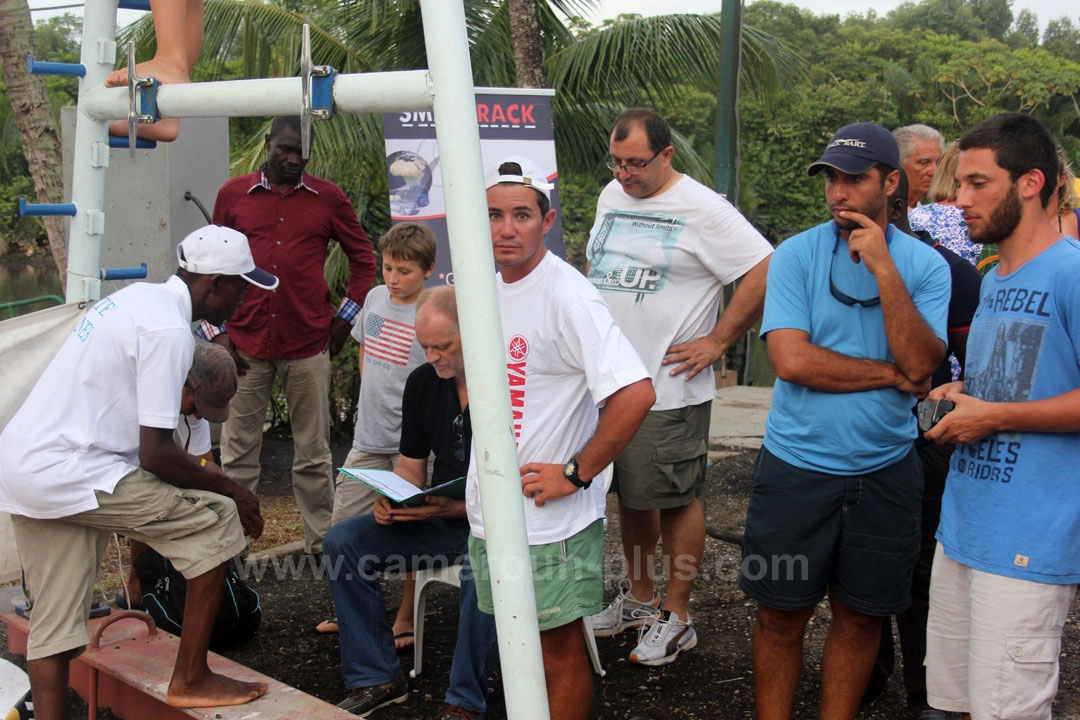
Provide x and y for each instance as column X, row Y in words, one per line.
column 624, row 612
column 662, row 639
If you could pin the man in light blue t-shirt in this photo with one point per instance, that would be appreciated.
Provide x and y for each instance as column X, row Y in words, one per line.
column 855, row 321
column 1008, row 554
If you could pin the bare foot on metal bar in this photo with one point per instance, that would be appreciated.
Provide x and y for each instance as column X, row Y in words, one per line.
column 164, row 71
column 214, row 690
column 167, row 73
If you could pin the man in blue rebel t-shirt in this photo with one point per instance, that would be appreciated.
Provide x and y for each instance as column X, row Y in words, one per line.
column 855, row 321
column 1008, row 555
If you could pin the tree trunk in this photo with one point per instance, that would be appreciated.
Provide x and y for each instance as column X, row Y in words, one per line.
column 33, row 116
column 528, row 52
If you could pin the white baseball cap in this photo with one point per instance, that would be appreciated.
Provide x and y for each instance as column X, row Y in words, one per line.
column 531, row 175
column 217, row 250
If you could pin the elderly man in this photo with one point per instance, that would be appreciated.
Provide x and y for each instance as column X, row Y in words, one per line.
column 920, row 149
column 91, row 452
column 1007, row 565
column 290, row 334
column 661, row 250
column 836, row 494
column 434, row 419
column 565, row 357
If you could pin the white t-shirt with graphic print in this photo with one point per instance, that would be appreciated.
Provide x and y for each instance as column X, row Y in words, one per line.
column 661, row 264
column 564, row 357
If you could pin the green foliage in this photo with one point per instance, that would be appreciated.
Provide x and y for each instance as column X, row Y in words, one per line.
column 1062, row 38
column 896, row 71
column 56, row 40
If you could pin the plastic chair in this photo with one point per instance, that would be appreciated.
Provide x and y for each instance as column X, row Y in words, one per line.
column 450, row 576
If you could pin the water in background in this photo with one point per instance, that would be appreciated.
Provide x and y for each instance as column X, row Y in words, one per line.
column 20, row 281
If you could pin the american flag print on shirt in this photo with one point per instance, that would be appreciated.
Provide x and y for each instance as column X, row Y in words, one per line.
column 388, row 340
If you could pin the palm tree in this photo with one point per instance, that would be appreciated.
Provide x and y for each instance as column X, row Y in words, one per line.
column 596, row 73
column 34, row 118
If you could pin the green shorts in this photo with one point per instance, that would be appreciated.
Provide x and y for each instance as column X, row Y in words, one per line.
column 568, row 577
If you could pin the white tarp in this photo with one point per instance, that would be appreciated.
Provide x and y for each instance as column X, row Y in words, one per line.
column 27, row 344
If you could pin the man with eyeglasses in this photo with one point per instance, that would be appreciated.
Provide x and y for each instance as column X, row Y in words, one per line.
column 855, row 321
column 434, row 419
column 661, row 250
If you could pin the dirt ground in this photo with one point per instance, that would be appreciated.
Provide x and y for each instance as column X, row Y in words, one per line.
column 714, row 680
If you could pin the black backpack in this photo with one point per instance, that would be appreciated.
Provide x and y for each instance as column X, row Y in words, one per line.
column 164, row 591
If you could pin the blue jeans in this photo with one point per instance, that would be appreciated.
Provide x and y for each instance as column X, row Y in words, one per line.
column 355, row 551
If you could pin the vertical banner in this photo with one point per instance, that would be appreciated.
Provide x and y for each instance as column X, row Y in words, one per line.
column 513, row 121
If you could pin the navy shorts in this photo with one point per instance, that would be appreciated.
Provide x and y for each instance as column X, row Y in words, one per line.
column 856, row 536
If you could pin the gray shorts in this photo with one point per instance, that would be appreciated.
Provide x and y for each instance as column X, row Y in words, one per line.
column 196, row 530
column 664, row 465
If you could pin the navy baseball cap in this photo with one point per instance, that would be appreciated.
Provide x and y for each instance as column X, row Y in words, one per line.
column 858, row 147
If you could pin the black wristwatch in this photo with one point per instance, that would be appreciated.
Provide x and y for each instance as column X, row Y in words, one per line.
column 570, row 472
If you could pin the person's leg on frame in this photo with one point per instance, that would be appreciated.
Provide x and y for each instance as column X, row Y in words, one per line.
column 178, row 31
column 193, row 684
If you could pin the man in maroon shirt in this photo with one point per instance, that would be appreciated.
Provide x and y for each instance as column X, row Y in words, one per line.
column 290, row 333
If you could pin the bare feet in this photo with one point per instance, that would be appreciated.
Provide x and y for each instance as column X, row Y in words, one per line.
column 164, row 71
column 403, row 629
column 167, row 73
column 213, row 690
column 327, row 627
column 403, row 640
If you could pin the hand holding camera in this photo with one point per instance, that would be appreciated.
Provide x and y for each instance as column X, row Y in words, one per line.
column 930, row 412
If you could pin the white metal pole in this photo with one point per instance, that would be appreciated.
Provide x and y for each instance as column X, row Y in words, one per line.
column 353, row 93
column 458, row 136
column 91, row 156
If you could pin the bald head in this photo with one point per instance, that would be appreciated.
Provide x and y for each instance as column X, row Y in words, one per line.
column 441, row 300
column 438, row 332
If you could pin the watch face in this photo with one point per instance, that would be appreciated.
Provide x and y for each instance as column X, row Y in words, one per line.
column 570, row 469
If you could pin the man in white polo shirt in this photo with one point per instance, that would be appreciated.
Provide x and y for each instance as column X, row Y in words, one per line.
column 91, row 452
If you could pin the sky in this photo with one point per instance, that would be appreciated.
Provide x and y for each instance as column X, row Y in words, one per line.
column 1046, row 9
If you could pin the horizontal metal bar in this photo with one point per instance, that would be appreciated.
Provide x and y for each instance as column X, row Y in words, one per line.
column 46, row 209
column 134, row 5
column 353, row 93
column 38, row 67
column 131, row 273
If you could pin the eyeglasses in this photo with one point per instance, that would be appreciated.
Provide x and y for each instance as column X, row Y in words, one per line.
column 458, row 427
column 633, row 168
column 841, row 296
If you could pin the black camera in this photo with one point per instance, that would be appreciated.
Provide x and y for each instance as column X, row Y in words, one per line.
column 930, row 412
